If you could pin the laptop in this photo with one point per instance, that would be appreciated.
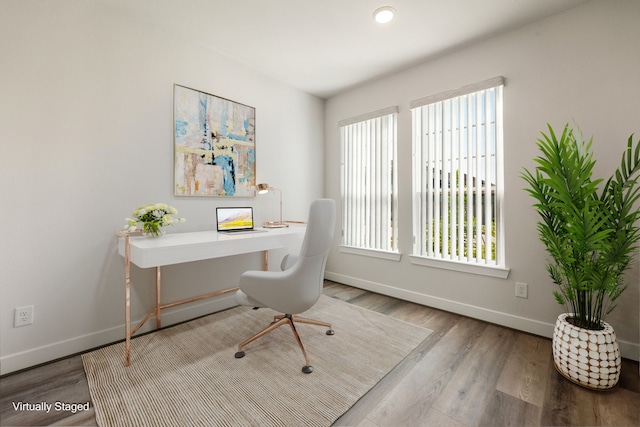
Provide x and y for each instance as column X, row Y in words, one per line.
column 233, row 220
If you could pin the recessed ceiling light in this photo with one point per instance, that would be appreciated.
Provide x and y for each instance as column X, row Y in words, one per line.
column 384, row 14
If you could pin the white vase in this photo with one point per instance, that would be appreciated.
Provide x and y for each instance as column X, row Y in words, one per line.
column 586, row 357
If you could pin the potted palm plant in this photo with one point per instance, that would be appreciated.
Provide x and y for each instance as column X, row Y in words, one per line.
column 590, row 230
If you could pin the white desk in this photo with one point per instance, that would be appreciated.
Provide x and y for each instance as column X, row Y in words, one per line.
column 146, row 252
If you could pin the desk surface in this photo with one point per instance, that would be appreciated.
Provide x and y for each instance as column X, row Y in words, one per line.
column 177, row 248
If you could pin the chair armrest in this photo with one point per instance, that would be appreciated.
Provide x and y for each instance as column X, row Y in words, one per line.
column 288, row 261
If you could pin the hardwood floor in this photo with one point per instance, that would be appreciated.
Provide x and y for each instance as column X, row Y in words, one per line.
column 466, row 373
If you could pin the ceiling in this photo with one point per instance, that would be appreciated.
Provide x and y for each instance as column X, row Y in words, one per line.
column 326, row 46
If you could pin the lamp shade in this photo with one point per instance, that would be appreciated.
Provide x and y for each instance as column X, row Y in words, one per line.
column 262, row 188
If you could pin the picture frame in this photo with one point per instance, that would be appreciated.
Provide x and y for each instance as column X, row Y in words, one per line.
column 214, row 145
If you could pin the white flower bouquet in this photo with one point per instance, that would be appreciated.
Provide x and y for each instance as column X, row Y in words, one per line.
column 153, row 216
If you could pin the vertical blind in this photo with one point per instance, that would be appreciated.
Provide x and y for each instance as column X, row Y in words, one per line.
column 368, row 180
column 457, row 138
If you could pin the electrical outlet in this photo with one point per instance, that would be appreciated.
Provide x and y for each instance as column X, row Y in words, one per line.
column 23, row 316
column 521, row 290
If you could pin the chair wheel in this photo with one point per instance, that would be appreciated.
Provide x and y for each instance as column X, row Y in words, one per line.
column 307, row 369
column 331, row 332
column 239, row 355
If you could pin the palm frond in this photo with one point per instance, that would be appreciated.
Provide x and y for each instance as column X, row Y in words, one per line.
column 589, row 234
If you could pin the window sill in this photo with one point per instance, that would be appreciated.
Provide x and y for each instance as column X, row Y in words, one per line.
column 483, row 270
column 374, row 253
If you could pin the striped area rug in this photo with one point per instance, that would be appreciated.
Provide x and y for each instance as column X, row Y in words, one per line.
column 187, row 374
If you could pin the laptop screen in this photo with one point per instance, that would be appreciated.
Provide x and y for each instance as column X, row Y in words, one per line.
column 230, row 219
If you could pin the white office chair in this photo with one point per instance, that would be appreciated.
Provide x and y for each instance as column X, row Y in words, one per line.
column 298, row 287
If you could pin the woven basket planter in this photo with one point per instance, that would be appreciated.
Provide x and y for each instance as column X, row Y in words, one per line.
column 588, row 358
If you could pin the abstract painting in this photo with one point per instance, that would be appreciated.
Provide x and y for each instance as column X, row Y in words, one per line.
column 214, row 145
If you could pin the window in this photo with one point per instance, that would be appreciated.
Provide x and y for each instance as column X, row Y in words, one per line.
column 368, row 158
column 457, row 145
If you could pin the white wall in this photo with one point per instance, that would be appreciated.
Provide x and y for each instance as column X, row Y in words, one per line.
column 87, row 117
column 580, row 65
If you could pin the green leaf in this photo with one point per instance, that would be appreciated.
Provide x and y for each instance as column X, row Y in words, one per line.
column 589, row 234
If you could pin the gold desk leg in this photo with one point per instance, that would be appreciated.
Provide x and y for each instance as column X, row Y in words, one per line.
column 127, row 297
column 158, row 298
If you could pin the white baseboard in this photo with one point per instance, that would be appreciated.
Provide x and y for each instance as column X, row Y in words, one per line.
column 628, row 349
column 52, row 351
column 35, row 356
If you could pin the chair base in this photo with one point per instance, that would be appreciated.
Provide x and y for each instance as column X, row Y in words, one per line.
column 290, row 320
